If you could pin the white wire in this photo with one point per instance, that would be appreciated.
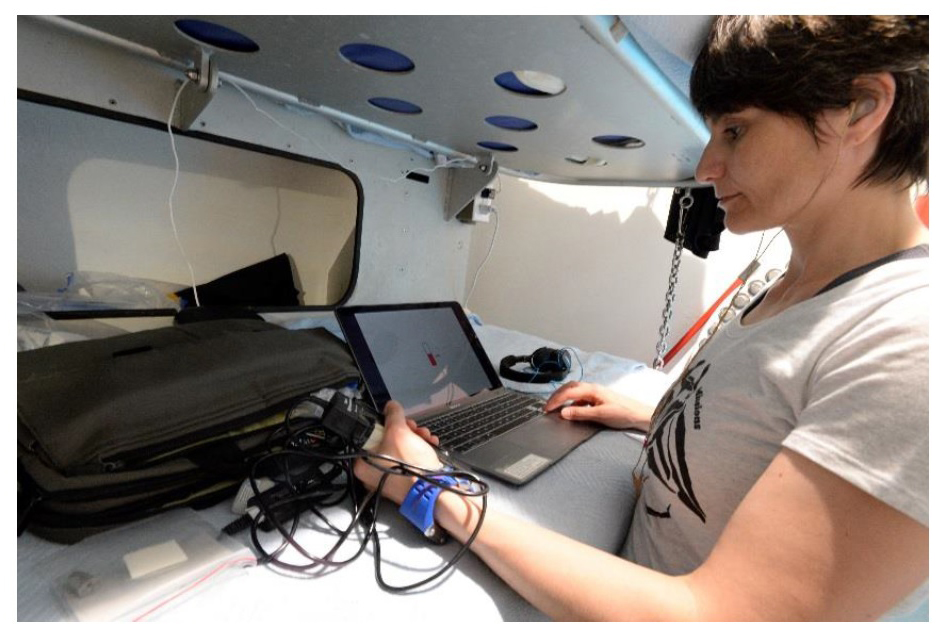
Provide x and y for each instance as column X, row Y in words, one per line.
column 178, row 241
column 759, row 244
column 492, row 243
column 278, row 123
column 451, row 163
column 277, row 224
column 764, row 252
column 581, row 367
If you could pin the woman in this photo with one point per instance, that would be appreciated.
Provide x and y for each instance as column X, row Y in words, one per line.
column 785, row 474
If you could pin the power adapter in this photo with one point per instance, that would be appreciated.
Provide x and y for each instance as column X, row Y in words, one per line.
column 352, row 421
column 346, row 423
column 277, row 498
column 281, row 504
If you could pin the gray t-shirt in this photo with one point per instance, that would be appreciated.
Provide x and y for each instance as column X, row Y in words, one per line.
column 842, row 379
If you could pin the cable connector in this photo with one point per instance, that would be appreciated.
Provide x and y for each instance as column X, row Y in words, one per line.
column 281, row 504
column 350, row 419
column 239, row 504
column 240, row 524
column 750, row 270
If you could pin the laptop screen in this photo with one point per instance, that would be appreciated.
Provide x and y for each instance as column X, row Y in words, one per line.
column 424, row 356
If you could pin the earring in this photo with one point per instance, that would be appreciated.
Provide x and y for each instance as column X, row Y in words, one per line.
column 859, row 109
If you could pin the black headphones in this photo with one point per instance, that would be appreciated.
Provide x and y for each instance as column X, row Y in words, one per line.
column 547, row 365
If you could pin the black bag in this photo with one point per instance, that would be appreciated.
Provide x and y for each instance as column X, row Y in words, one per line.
column 702, row 226
column 117, row 429
column 267, row 283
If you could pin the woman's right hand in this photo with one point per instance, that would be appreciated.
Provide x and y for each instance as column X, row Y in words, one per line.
column 402, row 440
column 589, row 402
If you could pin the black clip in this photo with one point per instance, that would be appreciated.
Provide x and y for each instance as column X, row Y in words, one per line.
column 704, row 222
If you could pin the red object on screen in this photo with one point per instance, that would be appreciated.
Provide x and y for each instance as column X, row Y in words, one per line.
column 429, row 355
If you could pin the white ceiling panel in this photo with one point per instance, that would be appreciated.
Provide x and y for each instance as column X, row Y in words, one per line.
column 622, row 78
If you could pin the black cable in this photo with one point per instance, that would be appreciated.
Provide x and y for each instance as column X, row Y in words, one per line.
column 402, row 469
column 320, row 459
column 465, row 547
column 268, row 512
column 482, row 489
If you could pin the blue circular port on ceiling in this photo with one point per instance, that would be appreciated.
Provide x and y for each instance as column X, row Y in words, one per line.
column 619, row 141
column 377, row 58
column 530, row 83
column 498, row 147
column 216, row 35
column 395, row 105
column 512, row 123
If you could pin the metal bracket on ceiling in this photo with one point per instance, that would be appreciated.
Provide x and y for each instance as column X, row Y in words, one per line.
column 465, row 185
column 201, row 88
column 618, row 30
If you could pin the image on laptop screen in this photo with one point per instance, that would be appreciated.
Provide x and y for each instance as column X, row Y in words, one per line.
column 423, row 357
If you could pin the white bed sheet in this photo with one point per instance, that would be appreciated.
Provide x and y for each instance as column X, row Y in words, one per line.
column 587, row 496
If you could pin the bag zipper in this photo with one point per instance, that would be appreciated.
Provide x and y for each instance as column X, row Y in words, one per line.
column 169, row 449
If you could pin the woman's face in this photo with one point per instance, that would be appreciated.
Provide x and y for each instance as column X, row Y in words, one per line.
column 767, row 169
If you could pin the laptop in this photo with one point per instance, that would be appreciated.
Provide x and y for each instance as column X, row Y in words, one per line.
column 426, row 356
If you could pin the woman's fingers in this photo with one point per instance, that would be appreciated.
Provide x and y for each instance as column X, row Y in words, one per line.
column 424, row 432
column 571, row 392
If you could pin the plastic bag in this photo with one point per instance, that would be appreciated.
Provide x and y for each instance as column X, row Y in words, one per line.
column 35, row 329
column 87, row 290
column 138, row 571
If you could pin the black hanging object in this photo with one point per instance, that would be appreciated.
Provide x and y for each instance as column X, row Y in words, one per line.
column 704, row 222
column 269, row 283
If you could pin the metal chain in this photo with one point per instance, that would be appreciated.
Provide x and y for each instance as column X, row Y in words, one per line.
column 684, row 203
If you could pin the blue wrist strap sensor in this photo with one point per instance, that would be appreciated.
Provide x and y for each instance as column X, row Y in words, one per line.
column 420, row 502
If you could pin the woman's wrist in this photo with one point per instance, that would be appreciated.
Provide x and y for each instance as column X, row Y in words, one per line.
column 458, row 515
column 640, row 415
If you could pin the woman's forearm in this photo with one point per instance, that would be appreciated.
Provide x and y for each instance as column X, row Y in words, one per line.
column 563, row 578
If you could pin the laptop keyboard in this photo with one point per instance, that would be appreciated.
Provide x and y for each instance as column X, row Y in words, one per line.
column 466, row 428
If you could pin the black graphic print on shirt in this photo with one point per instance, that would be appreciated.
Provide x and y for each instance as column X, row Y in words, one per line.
column 665, row 444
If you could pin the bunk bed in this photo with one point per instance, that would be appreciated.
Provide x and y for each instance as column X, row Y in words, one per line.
column 611, row 108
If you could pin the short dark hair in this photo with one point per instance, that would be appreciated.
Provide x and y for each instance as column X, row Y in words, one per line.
column 801, row 65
